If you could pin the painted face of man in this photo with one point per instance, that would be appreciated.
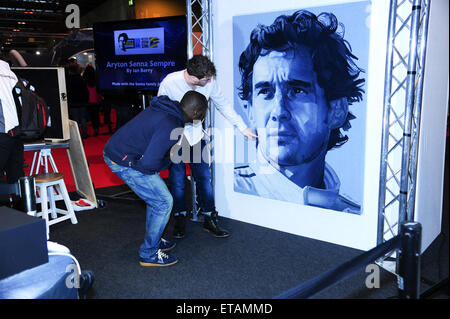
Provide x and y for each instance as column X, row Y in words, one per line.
column 289, row 108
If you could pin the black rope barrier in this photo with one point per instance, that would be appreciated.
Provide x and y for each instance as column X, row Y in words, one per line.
column 341, row 272
column 409, row 243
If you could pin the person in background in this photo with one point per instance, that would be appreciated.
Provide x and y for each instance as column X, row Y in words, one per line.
column 77, row 96
column 93, row 106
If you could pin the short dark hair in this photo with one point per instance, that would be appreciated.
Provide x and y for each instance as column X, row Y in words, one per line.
column 200, row 66
column 332, row 58
column 194, row 104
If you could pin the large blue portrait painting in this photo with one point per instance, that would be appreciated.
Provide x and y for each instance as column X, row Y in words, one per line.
column 300, row 82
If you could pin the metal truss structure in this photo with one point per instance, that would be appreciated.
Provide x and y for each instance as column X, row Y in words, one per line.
column 199, row 26
column 405, row 64
column 199, row 33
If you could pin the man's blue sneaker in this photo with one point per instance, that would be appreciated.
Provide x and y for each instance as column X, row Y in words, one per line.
column 159, row 259
column 166, row 245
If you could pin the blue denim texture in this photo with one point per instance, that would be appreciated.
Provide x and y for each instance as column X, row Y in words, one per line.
column 154, row 192
column 201, row 172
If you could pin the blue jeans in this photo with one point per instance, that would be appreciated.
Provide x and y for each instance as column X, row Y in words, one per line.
column 202, row 176
column 153, row 191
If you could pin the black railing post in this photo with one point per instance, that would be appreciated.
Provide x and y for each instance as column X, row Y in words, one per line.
column 409, row 260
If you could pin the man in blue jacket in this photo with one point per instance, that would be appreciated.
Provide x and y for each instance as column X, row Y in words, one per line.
column 139, row 150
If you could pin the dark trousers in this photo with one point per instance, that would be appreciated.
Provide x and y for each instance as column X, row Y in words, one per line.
column 11, row 162
column 78, row 114
column 201, row 172
column 11, row 158
column 124, row 113
column 106, row 107
column 94, row 113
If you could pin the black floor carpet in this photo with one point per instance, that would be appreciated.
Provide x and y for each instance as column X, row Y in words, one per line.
column 254, row 262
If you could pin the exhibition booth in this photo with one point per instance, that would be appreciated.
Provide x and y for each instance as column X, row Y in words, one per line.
column 357, row 162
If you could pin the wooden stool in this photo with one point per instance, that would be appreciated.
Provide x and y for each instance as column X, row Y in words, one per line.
column 47, row 185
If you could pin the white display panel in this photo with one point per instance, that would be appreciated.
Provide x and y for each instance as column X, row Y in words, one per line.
column 435, row 99
column 356, row 163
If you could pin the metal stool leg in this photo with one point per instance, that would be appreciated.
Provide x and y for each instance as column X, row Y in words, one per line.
column 51, row 196
column 68, row 202
column 44, row 208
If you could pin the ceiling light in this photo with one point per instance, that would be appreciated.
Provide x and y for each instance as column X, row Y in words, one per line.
column 38, row 53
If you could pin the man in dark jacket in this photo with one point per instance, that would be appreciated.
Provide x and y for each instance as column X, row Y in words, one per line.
column 139, row 150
